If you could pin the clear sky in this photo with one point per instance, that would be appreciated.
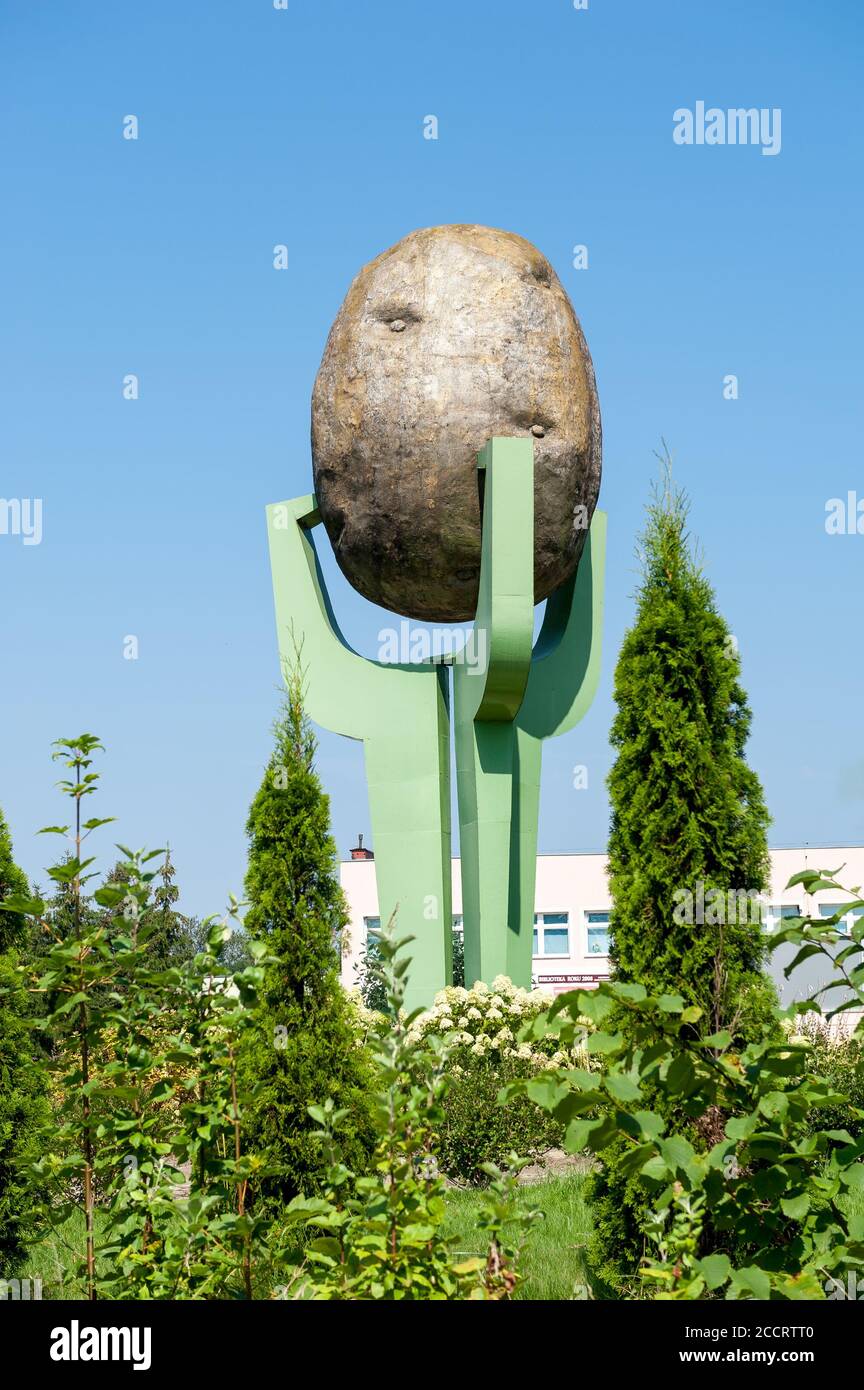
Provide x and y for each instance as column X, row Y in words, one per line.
column 304, row 126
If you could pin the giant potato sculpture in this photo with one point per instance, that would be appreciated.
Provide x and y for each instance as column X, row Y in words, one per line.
column 454, row 335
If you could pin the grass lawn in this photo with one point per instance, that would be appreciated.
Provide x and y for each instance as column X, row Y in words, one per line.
column 552, row 1264
column 51, row 1258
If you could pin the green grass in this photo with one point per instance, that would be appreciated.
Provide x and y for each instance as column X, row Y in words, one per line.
column 52, row 1259
column 552, row 1264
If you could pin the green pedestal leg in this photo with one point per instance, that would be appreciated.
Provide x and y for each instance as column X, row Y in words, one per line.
column 401, row 714
column 486, row 699
column 503, row 713
column 562, row 683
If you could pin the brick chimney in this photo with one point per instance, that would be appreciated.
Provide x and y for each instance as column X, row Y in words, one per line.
column 358, row 852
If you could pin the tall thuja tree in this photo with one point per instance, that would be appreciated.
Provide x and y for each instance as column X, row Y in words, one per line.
column 688, row 814
column 305, row 1048
column 688, row 827
column 23, row 1105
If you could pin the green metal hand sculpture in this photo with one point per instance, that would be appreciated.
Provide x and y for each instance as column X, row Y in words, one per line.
column 504, row 707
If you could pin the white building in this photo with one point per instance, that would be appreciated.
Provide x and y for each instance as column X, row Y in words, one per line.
column 571, row 932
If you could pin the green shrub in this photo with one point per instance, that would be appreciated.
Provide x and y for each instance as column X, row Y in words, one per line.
column 765, row 1210
column 305, row 1046
column 839, row 1058
column 23, row 1117
column 383, row 1236
column 482, row 1026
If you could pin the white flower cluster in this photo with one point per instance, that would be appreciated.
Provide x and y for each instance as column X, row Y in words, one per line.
column 485, row 1022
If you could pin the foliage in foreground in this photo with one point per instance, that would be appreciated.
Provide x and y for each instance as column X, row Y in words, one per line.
column 145, row 1059
column 775, row 1185
column 382, row 1235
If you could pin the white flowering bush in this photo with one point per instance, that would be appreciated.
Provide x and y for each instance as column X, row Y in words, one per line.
column 488, row 1022
column 488, row 1029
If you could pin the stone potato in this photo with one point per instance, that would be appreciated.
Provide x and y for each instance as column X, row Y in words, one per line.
column 453, row 335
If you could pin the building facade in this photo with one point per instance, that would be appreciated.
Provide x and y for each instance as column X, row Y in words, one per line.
column 572, row 906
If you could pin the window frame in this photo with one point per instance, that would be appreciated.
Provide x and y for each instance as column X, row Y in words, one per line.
column 586, row 914
column 539, row 926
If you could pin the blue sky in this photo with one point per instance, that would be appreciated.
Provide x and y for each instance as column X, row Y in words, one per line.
column 304, row 126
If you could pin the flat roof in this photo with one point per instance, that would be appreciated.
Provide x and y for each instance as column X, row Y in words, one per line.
column 599, row 853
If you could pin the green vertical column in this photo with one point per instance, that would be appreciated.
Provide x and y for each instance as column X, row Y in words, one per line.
column 504, row 713
column 486, row 698
column 562, row 683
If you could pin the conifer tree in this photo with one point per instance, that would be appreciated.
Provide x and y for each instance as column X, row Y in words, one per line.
column 305, row 1046
column 23, row 1107
column 689, row 820
column 688, row 828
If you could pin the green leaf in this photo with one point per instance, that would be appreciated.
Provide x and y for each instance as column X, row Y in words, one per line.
column 715, row 1270
column 622, row 1088
column 111, row 895
column 636, row 993
column 805, row 876
column 545, row 1091
column 635, row 1159
column 775, row 1105
column 680, row 1074
column 70, row 1004
column 27, row 907
column 853, row 1177
column 754, row 1280
column 796, row 1208
column 595, row 1004
column 677, row 1151
column 741, row 1126
column 650, row 1124
column 589, row 1134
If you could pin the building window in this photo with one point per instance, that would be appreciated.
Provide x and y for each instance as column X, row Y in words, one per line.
column 372, row 925
column 551, row 934
column 597, row 928
column 775, row 912
column 457, row 921
column 847, row 921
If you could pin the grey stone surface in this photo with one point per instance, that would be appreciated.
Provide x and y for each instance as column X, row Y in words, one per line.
column 452, row 336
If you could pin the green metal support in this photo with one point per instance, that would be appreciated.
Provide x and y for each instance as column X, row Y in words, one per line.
column 503, row 714
column 505, row 705
column 487, row 697
column 401, row 714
